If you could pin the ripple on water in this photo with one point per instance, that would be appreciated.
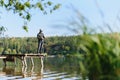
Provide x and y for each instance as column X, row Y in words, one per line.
column 44, row 76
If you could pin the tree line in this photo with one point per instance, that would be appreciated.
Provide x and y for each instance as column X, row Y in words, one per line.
column 64, row 45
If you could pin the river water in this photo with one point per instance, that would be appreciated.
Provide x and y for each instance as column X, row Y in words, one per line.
column 47, row 68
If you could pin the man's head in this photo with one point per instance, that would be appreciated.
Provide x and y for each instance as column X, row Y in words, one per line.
column 40, row 30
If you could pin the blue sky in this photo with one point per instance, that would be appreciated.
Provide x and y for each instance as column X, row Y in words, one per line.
column 96, row 11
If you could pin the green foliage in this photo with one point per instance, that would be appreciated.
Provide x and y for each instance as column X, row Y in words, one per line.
column 27, row 4
column 102, row 54
column 2, row 30
column 23, row 7
column 53, row 45
column 61, row 45
column 39, row 5
column 8, row 51
column 13, row 51
column 56, row 7
column 1, row 49
column 49, row 3
column 25, row 28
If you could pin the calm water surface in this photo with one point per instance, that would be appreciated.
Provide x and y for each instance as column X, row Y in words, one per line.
column 48, row 68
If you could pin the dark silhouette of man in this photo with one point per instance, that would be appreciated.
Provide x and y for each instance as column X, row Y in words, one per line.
column 40, row 37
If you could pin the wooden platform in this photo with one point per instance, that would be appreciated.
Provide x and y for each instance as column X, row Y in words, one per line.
column 22, row 57
column 3, row 57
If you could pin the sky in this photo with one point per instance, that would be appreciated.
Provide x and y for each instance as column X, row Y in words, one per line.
column 98, row 13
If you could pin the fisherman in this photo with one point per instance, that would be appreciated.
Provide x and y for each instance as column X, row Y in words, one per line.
column 40, row 37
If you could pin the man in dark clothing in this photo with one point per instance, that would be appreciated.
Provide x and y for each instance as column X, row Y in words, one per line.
column 40, row 37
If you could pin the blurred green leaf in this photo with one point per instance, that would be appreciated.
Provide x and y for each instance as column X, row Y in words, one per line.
column 28, row 17
column 49, row 3
column 25, row 28
column 56, row 6
column 27, row 4
column 39, row 5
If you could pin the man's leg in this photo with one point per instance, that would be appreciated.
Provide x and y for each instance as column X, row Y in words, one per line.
column 41, row 47
column 39, row 43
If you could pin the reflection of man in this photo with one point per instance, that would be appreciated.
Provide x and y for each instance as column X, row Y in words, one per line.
column 40, row 37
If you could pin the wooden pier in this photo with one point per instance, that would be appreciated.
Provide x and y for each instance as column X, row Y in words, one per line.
column 22, row 57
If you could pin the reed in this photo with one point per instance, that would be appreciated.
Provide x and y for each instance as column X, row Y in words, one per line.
column 102, row 56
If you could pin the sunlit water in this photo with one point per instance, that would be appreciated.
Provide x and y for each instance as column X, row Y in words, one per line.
column 50, row 68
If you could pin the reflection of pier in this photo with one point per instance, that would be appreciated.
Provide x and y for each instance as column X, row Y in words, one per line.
column 24, row 71
column 22, row 57
column 31, row 73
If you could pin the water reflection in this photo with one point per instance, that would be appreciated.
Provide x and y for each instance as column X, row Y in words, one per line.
column 31, row 73
column 20, row 72
column 7, row 71
column 49, row 68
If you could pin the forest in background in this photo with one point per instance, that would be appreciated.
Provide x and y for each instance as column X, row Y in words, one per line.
column 52, row 46
column 63, row 45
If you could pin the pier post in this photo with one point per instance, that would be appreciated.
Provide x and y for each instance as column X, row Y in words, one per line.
column 15, row 60
column 41, row 61
column 24, row 63
column 32, row 61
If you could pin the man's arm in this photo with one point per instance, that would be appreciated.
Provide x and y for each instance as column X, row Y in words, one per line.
column 43, row 36
column 38, row 36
